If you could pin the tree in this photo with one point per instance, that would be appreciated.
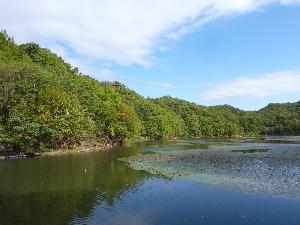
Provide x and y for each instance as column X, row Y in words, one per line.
column 53, row 119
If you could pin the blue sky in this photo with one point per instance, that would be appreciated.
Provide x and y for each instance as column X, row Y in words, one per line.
column 265, row 41
column 245, row 53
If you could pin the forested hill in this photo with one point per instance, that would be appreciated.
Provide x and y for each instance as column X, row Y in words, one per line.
column 45, row 103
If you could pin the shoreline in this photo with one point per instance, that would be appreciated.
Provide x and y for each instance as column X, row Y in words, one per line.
column 94, row 145
column 85, row 146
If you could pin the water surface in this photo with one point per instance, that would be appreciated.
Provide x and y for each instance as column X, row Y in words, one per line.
column 57, row 190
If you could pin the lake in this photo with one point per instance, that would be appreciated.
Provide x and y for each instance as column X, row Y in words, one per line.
column 199, row 181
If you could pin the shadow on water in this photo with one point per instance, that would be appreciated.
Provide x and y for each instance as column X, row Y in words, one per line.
column 55, row 190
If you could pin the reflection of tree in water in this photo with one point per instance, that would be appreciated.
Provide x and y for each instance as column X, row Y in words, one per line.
column 57, row 189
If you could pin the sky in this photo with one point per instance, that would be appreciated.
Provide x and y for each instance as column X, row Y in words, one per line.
column 245, row 53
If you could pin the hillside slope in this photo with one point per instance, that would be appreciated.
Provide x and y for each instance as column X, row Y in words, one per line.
column 46, row 103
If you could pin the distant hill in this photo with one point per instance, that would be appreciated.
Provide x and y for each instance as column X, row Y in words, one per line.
column 46, row 103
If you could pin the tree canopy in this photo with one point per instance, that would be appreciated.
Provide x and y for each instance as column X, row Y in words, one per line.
column 45, row 103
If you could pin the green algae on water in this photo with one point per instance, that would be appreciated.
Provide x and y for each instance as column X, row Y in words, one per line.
column 253, row 150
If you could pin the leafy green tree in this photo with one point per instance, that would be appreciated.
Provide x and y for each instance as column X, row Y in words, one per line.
column 53, row 119
column 46, row 103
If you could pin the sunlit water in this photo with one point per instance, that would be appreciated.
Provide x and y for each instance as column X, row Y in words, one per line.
column 97, row 188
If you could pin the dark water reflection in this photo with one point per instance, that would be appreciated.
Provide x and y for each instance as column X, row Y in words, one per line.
column 57, row 190
column 54, row 190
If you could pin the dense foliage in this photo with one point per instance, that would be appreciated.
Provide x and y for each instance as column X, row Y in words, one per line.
column 45, row 103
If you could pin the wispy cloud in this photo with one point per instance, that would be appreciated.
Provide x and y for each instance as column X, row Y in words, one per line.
column 122, row 31
column 106, row 74
column 265, row 85
column 89, row 67
column 163, row 85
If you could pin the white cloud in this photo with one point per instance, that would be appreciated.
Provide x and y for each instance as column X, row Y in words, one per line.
column 58, row 49
column 265, row 85
column 89, row 67
column 163, row 85
column 106, row 74
column 122, row 31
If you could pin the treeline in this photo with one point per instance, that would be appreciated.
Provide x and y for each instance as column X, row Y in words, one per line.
column 45, row 103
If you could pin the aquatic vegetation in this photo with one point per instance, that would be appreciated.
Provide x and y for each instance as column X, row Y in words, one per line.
column 196, row 146
column 253, row 150
column 177, row 146
column 276, row 172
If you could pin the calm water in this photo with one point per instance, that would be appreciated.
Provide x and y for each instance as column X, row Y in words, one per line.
column 57, row 190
